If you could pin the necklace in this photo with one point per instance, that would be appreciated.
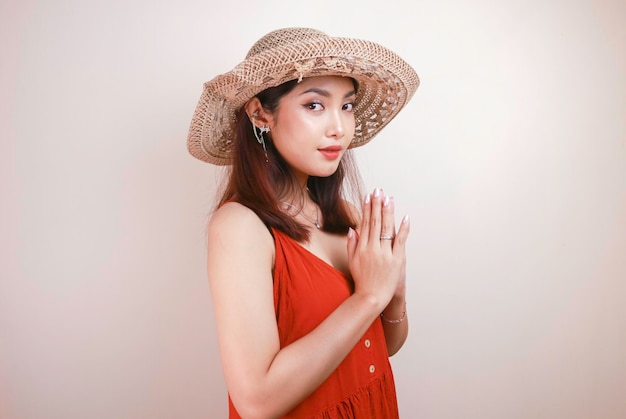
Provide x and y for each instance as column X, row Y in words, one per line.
column 315, row 222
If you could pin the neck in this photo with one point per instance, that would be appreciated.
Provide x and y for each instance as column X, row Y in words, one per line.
column 299, row 203
column 302, row 179
column 298, row 192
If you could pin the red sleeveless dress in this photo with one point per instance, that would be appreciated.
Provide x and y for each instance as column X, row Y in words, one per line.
column 306, row 291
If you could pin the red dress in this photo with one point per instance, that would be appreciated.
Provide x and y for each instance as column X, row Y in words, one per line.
column 306, row 291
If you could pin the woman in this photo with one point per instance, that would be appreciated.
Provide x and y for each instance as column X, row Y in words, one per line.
column 308, row 289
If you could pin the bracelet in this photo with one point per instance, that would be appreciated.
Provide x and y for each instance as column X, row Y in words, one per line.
column 400, row 320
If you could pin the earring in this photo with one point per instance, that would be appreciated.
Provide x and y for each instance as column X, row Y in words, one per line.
column 260, row 138
column 259, row 135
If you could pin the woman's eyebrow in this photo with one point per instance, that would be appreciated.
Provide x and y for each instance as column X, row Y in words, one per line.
column 325, row 93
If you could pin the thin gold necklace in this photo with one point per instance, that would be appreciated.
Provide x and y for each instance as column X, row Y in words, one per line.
column 315, row 222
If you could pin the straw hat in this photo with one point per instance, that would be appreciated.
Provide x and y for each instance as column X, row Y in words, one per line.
column 386, row 83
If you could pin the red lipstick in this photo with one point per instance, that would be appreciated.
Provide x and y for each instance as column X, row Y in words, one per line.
column 331, row 152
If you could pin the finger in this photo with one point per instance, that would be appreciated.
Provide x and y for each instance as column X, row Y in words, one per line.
column 376, row 216
column 388, row 229
column 364, row 228
column 402, row 235
column 352, row 242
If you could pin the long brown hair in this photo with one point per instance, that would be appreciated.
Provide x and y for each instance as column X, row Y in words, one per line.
column 257, row 181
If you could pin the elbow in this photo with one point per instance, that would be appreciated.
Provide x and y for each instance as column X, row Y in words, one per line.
column 252, row 411
column 392, row 350
column 395, row 342
column 253, row 405
column 249, row 412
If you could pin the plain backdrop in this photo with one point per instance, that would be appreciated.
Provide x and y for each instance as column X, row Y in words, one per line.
column 510, row 160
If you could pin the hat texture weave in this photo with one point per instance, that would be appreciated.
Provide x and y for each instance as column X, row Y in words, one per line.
column 386, row 83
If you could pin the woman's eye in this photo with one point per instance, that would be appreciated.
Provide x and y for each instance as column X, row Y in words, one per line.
column 314, row 106
column 348, row 107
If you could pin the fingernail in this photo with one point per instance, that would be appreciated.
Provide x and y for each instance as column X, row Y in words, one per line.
column 386, row 202
column 367, row 198
column 376, row 192
column 405, row 219
column 350, row 232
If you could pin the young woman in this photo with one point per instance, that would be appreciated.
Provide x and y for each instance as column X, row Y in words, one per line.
column 308, row 288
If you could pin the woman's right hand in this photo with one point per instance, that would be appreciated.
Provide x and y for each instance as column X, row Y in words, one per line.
column 378, row 265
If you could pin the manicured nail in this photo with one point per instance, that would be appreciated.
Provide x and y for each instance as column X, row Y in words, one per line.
column 367, row 198
column 405, row 219
column 350, row 232
column 386, row 202
column 376, row 192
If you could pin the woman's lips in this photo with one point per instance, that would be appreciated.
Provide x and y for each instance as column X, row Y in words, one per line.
column 331, row 153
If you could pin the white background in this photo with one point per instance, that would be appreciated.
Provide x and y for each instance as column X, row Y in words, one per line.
column 510, row 160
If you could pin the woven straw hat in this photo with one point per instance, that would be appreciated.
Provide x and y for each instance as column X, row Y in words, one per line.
column 386, row 83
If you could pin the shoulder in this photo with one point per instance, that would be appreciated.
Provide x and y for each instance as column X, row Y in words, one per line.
column 236, row 218
column 235, row 227
column 232, row 214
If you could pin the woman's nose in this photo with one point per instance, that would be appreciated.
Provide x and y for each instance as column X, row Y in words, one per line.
column 336, row 125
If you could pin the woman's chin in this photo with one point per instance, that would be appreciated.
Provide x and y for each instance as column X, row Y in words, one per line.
column 325, row 171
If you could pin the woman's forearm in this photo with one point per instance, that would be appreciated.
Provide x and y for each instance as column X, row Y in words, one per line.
column 395, row 324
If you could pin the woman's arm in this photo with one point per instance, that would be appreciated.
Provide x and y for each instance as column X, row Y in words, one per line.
column 395, row 324
column 264, row 380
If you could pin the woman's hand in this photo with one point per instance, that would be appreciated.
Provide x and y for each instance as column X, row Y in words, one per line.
column 376, row 253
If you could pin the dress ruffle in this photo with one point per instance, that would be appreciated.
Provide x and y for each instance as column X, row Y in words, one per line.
column 377, row 400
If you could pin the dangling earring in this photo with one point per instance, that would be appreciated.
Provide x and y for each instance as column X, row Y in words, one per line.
column 259, row 135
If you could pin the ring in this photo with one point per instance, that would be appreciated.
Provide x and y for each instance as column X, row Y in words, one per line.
column 386, row 237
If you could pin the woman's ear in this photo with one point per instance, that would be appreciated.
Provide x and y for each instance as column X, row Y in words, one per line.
column 258, row 116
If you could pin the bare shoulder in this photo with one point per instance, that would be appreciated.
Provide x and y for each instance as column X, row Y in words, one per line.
column 238, row 221
column 238, row 231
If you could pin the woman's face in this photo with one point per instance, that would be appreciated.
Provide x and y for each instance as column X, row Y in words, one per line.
column 313, row 125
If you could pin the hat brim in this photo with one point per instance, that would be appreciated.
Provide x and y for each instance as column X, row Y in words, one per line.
column 386, row 84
